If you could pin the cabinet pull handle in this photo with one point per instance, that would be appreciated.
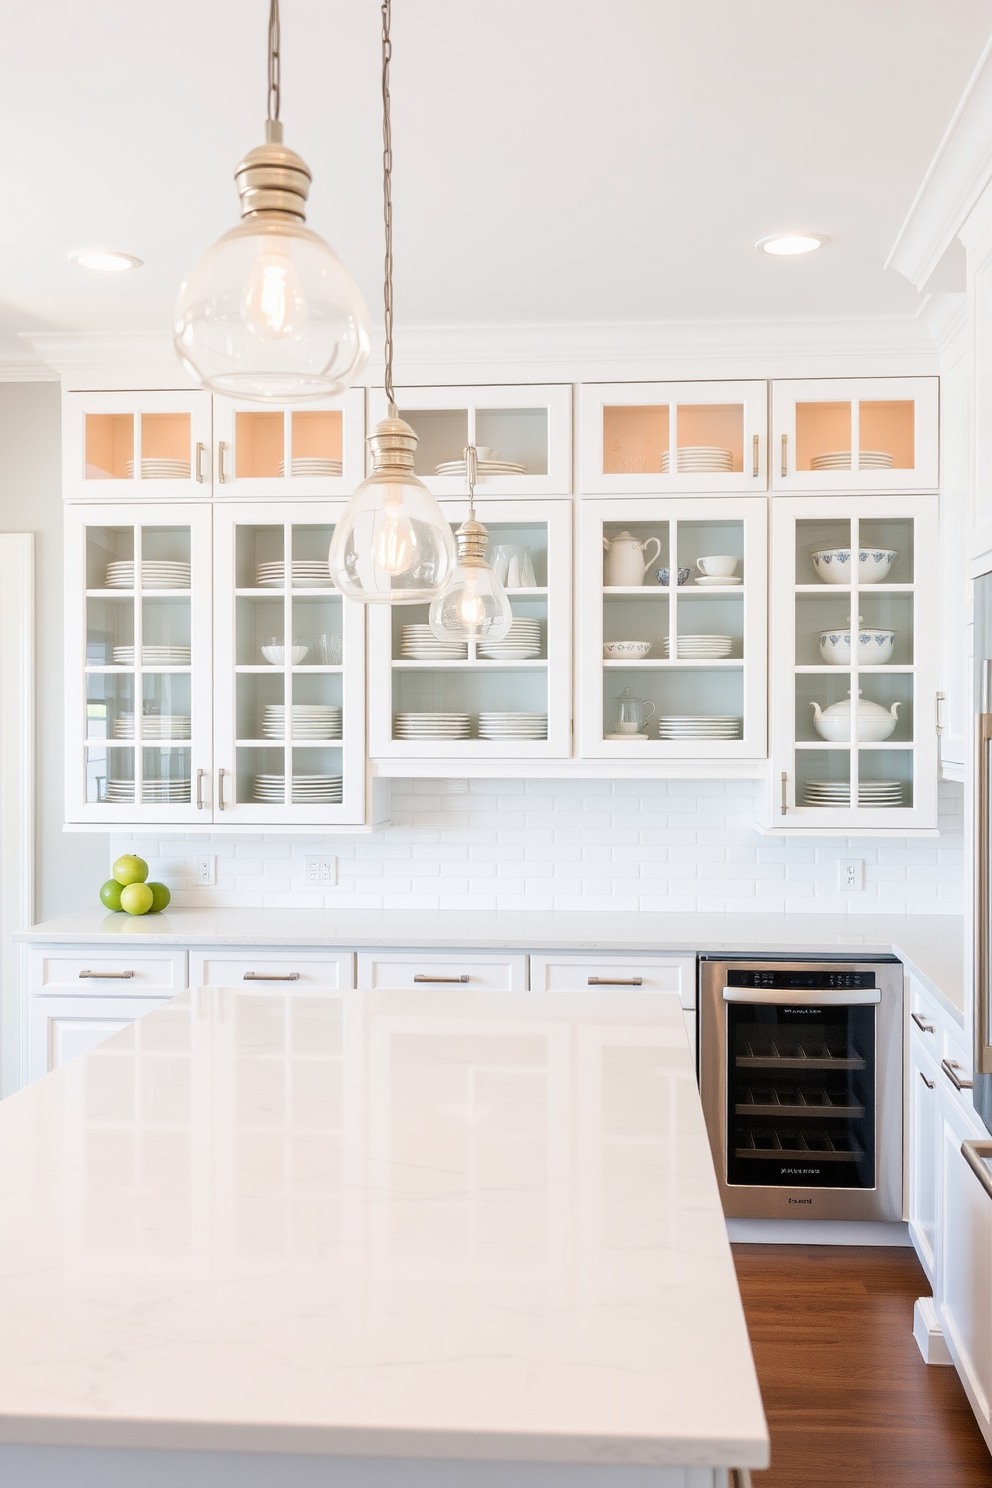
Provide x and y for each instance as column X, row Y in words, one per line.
column 940, row 709
column 614, row 981
column 923, row 1026
column 785, row 454
column 785, row 793
column 221, row 452
column 199, row 789
column 201, row 450
column 928, row 1083
column 221, row 804
column 973, row 1153
column 271, row 976
column 422, row 976
column 754, row 455
column 105, row 976
column 950, row 1068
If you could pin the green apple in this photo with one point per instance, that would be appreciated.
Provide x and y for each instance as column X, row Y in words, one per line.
column 136, row 898
column 129, row 869
column 110, row 895
column 160, row 897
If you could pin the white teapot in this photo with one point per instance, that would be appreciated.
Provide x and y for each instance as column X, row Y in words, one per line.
column 875, row 723
column 625, row 561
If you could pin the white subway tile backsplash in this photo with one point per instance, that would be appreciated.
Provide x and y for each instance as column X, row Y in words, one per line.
column 667, row 847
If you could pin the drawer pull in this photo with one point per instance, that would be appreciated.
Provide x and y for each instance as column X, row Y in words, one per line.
column 950, row 1068
column 923, row 1026
column 422, row 976
column 614, row 981
column 928, row 1083
column 974, row 1154
column 271, row 976
column 106, row 976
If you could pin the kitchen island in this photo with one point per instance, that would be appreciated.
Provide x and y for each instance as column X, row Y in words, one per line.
column 281, row 1239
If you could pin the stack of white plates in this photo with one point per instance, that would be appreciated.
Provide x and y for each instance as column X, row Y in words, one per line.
column 841, row 460
column 419, row 643
column 701, row 647
column 155, row 656
column 699, row 726
column 309, row 721
column 153, row 726
column 311, row 465
column 307, row 789
column 838, row 793
column 513, row 725
column 306, row 572
column 699, row 459
column 155, row 574
column 152, row 791
column 484, row 467
column 160, row 469
column 522, row 642
column 431, row 726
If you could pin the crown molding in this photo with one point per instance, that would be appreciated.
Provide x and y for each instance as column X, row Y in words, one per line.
column 946, row 316
column 955, row 179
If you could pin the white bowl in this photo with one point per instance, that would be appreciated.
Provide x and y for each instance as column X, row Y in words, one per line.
column 874, row 646
column 833, row 565
column 276, row 655
column 626, row 650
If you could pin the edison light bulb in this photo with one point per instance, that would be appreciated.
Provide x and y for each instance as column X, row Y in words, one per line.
column 474, row 607
column 274, row 303
column 395, row 541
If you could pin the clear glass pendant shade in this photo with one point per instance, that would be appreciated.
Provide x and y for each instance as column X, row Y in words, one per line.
column 474, row 606
column 392, row 544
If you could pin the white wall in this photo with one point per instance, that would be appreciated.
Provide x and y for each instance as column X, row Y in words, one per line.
column 69, row 868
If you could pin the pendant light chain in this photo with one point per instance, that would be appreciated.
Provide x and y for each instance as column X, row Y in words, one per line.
column 387, row 204
column 275, row 61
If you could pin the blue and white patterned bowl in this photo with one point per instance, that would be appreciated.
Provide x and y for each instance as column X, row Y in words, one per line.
column 626, row 650
column 874, row 646
column 833, row 565
column 664, row 575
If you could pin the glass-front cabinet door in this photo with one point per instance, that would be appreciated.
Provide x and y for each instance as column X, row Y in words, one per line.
column 138, row 664
column 289, row 742
column 648, row 438
column 671, row 633
column 136, row 446
column 854, row 629
column 523, row 437
column 432, row 700
column 317, row 449
column 855, row 434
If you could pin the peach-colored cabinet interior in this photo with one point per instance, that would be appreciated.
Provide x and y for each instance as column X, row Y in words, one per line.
column 164, row 438
column 886, row 436
column 260, row 442
column 637, row 440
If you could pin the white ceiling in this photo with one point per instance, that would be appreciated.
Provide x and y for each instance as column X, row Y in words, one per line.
column 557, row 161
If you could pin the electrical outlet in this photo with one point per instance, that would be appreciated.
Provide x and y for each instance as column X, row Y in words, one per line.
column 206, row 871
column 321, row 873
column 851, row 874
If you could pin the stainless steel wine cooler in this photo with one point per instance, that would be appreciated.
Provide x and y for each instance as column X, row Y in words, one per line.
column 801, row 1082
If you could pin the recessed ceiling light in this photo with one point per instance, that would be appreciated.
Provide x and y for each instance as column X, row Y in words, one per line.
column 787, row 245
column 106, row 262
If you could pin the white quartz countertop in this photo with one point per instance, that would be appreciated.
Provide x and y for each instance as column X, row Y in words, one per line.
column 435, row 1225
column 931, row 945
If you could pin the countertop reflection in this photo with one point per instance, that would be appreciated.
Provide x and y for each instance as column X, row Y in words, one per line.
column 433, row 1224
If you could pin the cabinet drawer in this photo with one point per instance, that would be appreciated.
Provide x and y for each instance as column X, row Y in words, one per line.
column 398, row 969
column 273, row 969
column 88, row 970
column 676, row 974
column 62, row 1028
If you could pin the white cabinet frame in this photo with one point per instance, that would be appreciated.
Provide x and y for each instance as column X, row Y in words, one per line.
column 923, row 392
column 77, row 406
column 228, row 485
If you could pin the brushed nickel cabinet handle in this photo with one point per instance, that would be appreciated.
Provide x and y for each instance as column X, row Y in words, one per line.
column 983, row 798
column 221, row 453
column 754, row 455
column 201, row 450
column 928, row 1083
column 105, row 976
column 950, row 1068
column 614, row 981
column 221, row 803
column 271, row 976
column 199, row 789
column 923, row 1026
column 973, row 1153
column 940, row 709
column 785, row 454
column 422, row 976
column 785, row 794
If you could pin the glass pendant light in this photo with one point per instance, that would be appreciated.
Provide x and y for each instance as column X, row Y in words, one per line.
column 474, row 607
column 270, row 311
column 392, row 544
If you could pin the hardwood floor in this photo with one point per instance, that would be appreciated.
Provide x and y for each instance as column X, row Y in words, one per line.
column 850, row 1402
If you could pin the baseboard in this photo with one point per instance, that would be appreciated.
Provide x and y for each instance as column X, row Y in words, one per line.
column 929, row 1334
column 816, row 1232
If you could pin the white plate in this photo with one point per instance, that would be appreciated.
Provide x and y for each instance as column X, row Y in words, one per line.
column 709, row 582
column 625, row 737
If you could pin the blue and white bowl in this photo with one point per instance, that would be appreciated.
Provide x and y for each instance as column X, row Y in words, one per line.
column 874, row 646
column 833, row 565
column 664, row 575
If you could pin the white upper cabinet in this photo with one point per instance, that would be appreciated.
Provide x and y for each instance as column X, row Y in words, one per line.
column 628, row 432
column 523, row 436
column 671, row 630
column 136, row 446
column 855, row 434
column 509, row 701
column 314, row 450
